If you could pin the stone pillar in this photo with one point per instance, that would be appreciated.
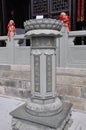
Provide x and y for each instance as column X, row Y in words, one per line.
column 43, row 110
column 43, row 76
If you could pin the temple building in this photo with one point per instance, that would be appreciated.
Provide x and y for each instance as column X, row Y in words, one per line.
column 21, row 10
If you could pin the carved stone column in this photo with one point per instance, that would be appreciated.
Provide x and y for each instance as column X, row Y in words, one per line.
column 43, row 110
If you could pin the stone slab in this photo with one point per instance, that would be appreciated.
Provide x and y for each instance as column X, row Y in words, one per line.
column 54, row 121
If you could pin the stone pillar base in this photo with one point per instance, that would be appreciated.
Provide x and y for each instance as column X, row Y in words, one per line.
column 44, row 108
column 25, row 121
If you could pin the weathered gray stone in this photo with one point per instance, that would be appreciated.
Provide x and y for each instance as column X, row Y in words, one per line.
column 11, row 91
column 8, row 82
column 15, row 75
column 37, row 25
column 49, row 26
column 2, row 90
column 27, row 85
column 43, row 110
column 20, row 68
column 72, row 79
column 67, row 78
column 5, row 67
column 43, row 24
column 46, row 107
column 25, row 121
column 69, row 90
column 83, row 92
column 11, row 83
column 23, row 93
column 71, row 71
column 78, row 103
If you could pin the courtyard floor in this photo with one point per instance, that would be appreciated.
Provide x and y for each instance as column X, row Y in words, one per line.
column 7, row 104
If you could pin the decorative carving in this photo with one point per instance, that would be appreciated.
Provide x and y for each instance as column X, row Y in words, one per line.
column 36, row 52
column 49, row 73
column 18, row 124
column 43, row 24
column 49, row 52
column 37, row 73
column 43, row 51
column 44, row 109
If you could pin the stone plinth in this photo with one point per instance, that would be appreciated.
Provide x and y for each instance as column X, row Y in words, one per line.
column 23, row 121
column 43, row 110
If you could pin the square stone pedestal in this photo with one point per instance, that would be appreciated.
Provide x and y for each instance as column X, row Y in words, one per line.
column 25, row 121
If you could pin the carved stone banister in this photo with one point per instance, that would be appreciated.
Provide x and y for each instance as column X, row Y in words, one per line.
column 77, row 33
column 21, row 36
column 3, row 38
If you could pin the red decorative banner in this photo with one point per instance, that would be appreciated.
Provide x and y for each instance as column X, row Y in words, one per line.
column 78, row 10
column 82, row 10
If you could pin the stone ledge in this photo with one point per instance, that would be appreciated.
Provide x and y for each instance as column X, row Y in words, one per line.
column 43, row 32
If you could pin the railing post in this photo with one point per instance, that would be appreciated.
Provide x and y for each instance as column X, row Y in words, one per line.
column 63, row 46
column 11, row 50
column 58, row 52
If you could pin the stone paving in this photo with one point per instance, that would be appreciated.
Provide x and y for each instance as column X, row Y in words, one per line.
column 7, row 104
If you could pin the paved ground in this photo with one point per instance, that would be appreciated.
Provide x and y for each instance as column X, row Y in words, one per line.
column 7, row 104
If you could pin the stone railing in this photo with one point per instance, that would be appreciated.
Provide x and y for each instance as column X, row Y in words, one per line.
column 77, row 33
column 71, row 55
column 13, row 53
column 68, row 55
column 74, row 34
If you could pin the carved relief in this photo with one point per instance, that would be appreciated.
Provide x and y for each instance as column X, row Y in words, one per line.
column 49, row 73
column 37, row 73
column 43, row 51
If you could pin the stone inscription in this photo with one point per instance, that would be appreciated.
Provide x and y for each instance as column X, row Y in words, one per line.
column 49, row 73
column 37, row 73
